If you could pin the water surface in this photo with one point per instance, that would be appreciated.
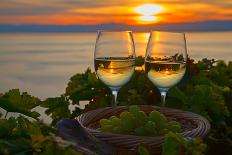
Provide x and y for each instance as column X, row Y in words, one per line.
column 42, row 63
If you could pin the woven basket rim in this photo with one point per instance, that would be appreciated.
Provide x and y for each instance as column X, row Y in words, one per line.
column 198, row 124
column 194, row 115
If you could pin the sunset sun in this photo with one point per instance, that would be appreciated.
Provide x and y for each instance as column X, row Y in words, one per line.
column 147, row 12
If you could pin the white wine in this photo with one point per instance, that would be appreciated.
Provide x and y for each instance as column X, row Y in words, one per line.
column 114, row 72
column 165, row 74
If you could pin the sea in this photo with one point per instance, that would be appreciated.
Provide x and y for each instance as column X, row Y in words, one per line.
column 42, row 63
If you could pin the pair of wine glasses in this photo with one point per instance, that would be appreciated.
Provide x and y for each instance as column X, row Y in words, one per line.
column 165, row 59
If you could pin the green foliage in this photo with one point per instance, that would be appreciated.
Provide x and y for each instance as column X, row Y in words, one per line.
column 51, row 145
column 206, row 89
column 87, row 87
column 136, row 122
column 13, row 101
column 57, row 107
column 175, row 144
column 20, row 136
column 139, row 90
column 6, row 127
column 209, row 93
column 143, row 151
column 207, row 100
column 139, row 61
column 202, row 94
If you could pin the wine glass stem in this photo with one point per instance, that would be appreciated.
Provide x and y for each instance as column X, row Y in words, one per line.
column 163, row 93
column 115, row 95
column 163, row 98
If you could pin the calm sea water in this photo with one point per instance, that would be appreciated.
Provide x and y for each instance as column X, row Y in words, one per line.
column 42, row 63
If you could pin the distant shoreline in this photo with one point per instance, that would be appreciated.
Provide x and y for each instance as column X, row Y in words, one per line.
column 2, row 32
column 206, row 26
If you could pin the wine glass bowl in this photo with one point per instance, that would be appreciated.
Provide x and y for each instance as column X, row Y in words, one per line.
column 165, row 60
column 114, row 72
column 114, row 58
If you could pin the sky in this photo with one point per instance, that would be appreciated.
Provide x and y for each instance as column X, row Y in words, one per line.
column 130, row 12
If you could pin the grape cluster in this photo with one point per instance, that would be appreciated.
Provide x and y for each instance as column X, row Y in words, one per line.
column 137, row 122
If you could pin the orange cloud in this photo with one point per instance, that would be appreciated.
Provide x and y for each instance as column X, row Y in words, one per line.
column 91, row 12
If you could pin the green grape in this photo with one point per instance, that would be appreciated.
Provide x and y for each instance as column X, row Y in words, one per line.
column 163, row 131
column 117, row 129
column 125, row 115
column 173, row 123
column 162, row 125
column 106, row 128
column 129, row 124
column 116, row 121
column 112, row 117
column 157, row 117
column 150, row 127
column 104, row 122
column 137, row 122
column 140, row 131
column 141, row 117
column 150, row 124
column 134, row 109
column 174, row 128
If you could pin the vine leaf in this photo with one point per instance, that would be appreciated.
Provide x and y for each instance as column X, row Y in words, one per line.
column 58, row 108
column 143, row 151
column 20, row 136
column 85, row 87
column 14, row 101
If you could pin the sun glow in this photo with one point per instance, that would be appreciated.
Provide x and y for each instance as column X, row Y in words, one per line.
column 148, row 9
column 148, row 12
column 147, row 18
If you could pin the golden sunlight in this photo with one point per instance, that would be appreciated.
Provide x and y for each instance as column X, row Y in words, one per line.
column 147, row 18
column 148, row 9
column 147, row 12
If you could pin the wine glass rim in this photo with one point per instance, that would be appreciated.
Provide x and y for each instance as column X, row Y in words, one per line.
column 114, row 31
column 171, row 32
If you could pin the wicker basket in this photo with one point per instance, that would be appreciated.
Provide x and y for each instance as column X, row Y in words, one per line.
column 194, row 126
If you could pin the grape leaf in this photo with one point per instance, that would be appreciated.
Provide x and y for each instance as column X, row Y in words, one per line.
column 143, row 151
column 175, row 144
column 25, row 100
column 85, row 87
column 14, row 101
column 58, row 108
column 6, row 127
column 20, row 136
column 170, row 147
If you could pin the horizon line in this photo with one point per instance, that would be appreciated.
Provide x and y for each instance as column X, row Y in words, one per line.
column 109, row 23
column 187, row 27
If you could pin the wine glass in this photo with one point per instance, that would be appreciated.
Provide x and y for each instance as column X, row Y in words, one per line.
column 165, row 60
column 114, row 59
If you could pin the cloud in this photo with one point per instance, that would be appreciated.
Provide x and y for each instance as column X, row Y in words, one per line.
column 21, row 11
column 48, row 7
column 103, row 11
column 22, row 8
